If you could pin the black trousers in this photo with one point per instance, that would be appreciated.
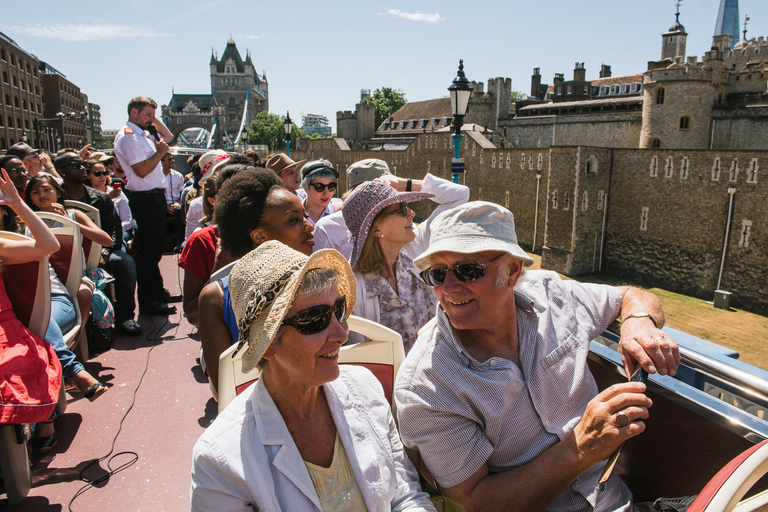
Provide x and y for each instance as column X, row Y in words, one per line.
column 148, row 210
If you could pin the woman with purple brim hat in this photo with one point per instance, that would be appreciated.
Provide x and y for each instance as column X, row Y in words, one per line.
column 385, row 240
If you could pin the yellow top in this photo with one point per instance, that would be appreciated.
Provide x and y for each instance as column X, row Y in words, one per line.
column 336, row 486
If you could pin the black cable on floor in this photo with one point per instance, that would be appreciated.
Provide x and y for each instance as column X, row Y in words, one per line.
column 92, row 483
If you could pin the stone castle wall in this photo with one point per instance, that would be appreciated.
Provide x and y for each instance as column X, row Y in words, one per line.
column 665, row 218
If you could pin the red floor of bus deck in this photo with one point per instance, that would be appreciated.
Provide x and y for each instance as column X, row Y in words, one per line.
column 173, row 406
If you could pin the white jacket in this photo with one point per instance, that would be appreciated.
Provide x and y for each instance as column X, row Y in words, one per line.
column 247, row 459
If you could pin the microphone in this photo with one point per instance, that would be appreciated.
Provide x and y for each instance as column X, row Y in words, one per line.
column 153, row 131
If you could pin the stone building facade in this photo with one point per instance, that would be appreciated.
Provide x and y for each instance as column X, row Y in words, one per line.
column 232, row 81
column 65, row 112
column 655, row 216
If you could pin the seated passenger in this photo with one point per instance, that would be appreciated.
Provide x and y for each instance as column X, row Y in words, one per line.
column 309, row 435
column 319, row 179
column 496, row 394
column 32, row 376
column 251, row 208
column 389, row 290
column 209, row 163
column 287, row 169
column 331, row 232
column 99, row 178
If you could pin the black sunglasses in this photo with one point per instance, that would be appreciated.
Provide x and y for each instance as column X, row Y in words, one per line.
column 317, row 318
column 465, row 272
column 402, row 210
column 99, row 173
column 77, row 164
column 319, row 187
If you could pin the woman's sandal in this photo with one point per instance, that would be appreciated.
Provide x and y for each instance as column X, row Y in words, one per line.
column 95, row 391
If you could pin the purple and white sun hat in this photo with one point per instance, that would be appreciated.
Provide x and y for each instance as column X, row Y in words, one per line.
column 364, row 203
column 473, row 227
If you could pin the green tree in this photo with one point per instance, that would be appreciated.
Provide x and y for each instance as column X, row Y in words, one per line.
column 387, row 101
column 518, row 96
column 268, row 129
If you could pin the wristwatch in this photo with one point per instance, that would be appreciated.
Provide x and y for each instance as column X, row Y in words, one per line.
column 641, row 315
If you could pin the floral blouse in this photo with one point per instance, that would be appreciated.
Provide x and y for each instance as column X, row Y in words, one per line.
column 407, row 313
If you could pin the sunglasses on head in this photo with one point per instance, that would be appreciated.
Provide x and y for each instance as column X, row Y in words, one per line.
column 317, row 318
column 99, row 173
column 319, row 187
column 402, row 210
column 465, row 272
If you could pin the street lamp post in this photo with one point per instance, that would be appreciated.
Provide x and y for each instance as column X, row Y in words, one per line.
column 288, row 125
column 460, row 91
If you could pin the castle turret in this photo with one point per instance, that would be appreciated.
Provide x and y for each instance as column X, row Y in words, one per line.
column 673, row 40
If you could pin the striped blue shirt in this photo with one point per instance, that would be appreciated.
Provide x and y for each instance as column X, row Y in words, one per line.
column 461, row 414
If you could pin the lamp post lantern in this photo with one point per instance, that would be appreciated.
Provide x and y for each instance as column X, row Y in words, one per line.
column 288, row 126
column 460, row 91
column 24, row 137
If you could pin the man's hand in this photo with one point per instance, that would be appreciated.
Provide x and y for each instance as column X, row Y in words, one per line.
column 85, row 152
column 169, row 209
column 641, row 340
column 162, row 148
column 598, row 434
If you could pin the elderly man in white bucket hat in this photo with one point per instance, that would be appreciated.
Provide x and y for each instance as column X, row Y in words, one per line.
column 496, row 394
column 331, row 232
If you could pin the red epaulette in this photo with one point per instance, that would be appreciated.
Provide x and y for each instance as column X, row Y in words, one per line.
column 127, row 130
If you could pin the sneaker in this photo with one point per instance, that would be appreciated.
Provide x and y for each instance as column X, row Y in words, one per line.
column 130, row 327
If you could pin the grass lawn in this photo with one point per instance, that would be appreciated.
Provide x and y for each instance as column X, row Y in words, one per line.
column 747, row 333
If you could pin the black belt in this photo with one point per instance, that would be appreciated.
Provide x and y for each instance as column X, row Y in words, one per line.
column 153, row 191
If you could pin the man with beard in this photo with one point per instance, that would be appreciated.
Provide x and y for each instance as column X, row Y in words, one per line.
column 139, row 147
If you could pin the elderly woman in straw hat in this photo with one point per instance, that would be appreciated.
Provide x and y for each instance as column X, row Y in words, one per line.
column 385, row 240
column 309, row 435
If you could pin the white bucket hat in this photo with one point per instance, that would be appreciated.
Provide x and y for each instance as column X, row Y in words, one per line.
column 473, row 227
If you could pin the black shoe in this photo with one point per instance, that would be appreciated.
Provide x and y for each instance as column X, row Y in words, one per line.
column 168, row 297
column 43, row 445
column 157, row 307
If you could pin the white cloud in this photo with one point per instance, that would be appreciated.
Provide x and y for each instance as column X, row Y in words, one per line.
column 246, row 36
column 83, row 32
column 416, row 16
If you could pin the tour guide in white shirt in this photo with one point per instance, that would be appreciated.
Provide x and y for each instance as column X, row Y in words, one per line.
column 496, row 394
column 140, row 153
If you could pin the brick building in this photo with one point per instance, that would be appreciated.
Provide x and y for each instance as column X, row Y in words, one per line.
column 65, row 112
column 21, row 96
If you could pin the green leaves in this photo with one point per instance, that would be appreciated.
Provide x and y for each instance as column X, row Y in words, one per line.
column 268, row 129
column 387, row 101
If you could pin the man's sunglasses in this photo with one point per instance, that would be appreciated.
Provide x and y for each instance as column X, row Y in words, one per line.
column 77, row 164
column 317, row 318
column 99, row 173
column 319, row 187
column 465, row 272
column 31, row 156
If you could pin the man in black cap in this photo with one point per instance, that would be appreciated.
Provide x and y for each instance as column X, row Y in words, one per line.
column 34, row 160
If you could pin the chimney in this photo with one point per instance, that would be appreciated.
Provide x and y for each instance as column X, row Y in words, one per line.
column 605, row 71
column 536, row 83
column 579, row 73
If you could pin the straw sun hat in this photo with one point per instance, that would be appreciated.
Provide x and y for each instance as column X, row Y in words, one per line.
column 263, row 284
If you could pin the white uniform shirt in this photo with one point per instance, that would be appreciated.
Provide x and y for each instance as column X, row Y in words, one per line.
column 134, row 145
column 174, row 186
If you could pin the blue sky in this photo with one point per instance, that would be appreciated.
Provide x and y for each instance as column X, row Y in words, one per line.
column 318, row 55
